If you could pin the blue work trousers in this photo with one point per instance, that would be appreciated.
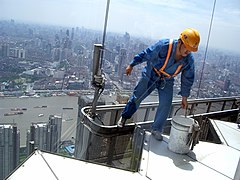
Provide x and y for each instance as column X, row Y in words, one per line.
column 144, row 87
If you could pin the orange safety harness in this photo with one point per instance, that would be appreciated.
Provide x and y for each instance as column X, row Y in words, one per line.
column 161, row 70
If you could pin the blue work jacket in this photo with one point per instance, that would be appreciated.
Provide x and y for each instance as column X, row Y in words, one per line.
column 155, row 55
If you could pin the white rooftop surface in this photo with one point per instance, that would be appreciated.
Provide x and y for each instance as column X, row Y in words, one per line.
column 206, row 161
column 229, row 133
column 42, row 165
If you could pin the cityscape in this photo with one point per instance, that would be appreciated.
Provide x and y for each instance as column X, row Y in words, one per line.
column 35, row 57
column 42, row 61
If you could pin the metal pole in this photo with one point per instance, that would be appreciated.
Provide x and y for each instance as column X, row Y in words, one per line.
column 97, row 79
column 96, row 60
column 105, row 23
column 104, row 31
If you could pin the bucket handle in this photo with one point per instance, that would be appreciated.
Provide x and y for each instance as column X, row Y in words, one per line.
column 185, row 111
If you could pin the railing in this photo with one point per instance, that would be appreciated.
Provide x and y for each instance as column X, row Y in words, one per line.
column 100, row 140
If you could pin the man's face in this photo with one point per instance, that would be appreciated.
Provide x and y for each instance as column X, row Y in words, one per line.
column 183, row 50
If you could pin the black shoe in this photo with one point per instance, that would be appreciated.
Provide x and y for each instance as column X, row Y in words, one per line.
column 157, row 135
column 121, row 122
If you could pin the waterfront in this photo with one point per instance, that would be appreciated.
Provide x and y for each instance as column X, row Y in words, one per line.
column 65, row 106
column 38, row 109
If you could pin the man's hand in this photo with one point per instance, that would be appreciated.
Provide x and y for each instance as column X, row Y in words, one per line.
column 129, row 70
column 184, row 103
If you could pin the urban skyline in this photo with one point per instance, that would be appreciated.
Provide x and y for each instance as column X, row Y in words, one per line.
column 62, row 58
column 149, row 18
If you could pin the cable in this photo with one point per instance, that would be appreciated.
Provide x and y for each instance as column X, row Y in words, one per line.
column 205, row 54
column 48, row 165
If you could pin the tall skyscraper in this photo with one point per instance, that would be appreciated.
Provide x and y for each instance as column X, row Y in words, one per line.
column 227, row 84
column 126, row 38
column 45, row 136
column 9, row 148
column 57, row 41
column 72, row 34
column 67, row 33
column 57, row 54
column 17, row 53
column 37, row 137
column 20, row 53
column 54, row 130
column 121, row 64
column 5, row 50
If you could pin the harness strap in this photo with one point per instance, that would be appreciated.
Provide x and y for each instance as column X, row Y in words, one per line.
column 161, row 70
column 177, row 70
column 168, row 54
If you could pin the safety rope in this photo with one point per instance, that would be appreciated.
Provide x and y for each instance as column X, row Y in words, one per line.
column 206, row 50
column 159, row 75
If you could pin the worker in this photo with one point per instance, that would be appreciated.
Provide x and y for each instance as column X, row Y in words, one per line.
column 164, row 60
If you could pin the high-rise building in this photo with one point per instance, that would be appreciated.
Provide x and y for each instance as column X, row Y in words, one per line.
column 57, row 41
column 54, row 130
column 67, row 33
column 121, row 64
column 17, row 53
column 9, row 148
column 21, row 53
column 227, row 84
column 72, row 34
column 126, row 38
column 49, row 48
column 37, row 137
column 56, row 54
column 5, row 50
column 45, row 136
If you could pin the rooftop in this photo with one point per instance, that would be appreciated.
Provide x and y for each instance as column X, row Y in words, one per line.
column 206, row 161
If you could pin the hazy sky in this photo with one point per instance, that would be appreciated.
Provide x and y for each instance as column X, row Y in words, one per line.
column 148, row 18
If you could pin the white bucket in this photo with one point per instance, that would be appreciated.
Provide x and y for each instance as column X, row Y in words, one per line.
column 181, row 127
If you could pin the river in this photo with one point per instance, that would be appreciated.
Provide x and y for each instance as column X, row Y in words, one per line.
column 55, row 106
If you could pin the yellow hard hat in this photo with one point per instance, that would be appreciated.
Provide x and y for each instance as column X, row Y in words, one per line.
column 190, row 38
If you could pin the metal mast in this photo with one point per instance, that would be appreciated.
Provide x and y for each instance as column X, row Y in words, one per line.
column 98, row 76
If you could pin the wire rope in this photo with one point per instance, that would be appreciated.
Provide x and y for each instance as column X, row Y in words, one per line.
column 205, row 54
